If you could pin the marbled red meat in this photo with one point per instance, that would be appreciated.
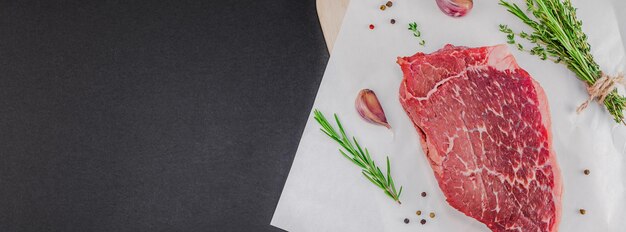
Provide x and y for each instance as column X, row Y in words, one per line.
column 484, row 125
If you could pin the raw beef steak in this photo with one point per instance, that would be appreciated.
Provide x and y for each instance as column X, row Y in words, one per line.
column 484, row 125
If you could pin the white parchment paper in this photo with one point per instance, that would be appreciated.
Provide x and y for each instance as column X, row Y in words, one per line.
column 326, row 192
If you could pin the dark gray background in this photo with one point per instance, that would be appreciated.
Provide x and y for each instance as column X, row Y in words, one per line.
column 152, row 115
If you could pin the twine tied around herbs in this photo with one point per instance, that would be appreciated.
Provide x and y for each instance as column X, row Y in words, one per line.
column 602, row 88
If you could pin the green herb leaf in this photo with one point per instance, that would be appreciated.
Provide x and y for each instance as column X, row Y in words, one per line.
column 558, row 36
column 359, row 157
column 416, row 33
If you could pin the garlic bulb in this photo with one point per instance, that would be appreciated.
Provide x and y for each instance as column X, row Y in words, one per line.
column 455, row 8
column 369, row 108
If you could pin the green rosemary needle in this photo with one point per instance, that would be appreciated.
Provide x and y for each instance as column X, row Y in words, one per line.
column 359, row 156
column 557, row 35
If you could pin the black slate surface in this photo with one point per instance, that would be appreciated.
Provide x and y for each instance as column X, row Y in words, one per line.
column 129, row 115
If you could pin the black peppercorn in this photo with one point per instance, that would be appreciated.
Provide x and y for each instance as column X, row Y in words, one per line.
column 423, row 194
column 406, row 221
column 423, row 221
column 393, row 21
column 586, row 171
column 389, row 4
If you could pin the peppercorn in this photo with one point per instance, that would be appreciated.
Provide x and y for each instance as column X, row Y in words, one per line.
column 419, row 212
column 406, row 221
column 371, row 26
column 423, row 194
column 432, row 215
column 583, row 211
column 383, row 7
column 393, row 21
column 389, row 4
column 423, row 221
column 586, row 171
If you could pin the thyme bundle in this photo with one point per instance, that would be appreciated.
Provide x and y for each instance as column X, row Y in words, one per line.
column 557, row 35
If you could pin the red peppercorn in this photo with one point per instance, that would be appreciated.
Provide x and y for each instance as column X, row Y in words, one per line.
column 371, row 26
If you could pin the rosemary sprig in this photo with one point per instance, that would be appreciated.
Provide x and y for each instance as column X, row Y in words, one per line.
column 557, row 35
column 359, row 156
column 416, row 33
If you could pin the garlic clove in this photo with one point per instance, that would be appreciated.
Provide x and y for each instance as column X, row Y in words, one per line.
column 455, row 8
column 369, row 108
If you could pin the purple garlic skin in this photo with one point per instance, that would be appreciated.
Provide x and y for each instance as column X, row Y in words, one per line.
column 369, row 108
column 455, row 8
